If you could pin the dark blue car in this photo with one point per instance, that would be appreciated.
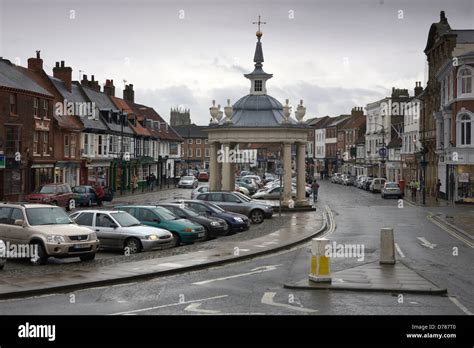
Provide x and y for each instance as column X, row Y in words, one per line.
column 237, row 222
column 84, row 195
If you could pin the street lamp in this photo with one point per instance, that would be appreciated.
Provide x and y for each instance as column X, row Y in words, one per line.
column 423, row 164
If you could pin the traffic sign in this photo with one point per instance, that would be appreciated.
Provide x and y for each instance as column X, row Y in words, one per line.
column 383, row 151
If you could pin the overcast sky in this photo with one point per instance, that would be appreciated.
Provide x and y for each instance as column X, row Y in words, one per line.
column 334, row 54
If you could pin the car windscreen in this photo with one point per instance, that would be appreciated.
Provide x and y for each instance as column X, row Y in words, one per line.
column 47, row 216
column 215, row 208
column 125, row 219
column 391, row 185
column 164, row 213
column 48, row 189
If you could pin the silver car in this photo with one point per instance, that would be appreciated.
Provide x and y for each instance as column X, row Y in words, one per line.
column 3, row 254
column 272, row 193
column 188, row 182
column 391, row 189
column 120, row 230
column 256, row 211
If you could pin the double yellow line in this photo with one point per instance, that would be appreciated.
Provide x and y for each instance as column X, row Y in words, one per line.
column 451, row 231
column 330, row 221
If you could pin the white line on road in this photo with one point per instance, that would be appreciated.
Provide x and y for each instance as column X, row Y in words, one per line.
column 268, row 299
column 169, row 305
column 194, row 307
column 171, row 265
column 460, row 305
column 426, row 243
column 252, row 271
column 453, row 234
column 399, row 251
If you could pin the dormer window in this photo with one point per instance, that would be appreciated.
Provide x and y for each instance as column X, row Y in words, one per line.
column 258, row 85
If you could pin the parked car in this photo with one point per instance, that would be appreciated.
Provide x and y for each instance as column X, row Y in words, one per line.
column 188, row 181
column 256, row 211
column 391, row 189
column 198, row 190
column 348, row 180
column 248, row 183
column 49, row 229
column 245, row 172
column 183, row 230
column 3, row 254
column 377, row 185
column 272, row 193
column 84, row 195
column 367, row 183
column 241, row 190
column 257, row 179
column 119, row 230
column 269, row 177
column 56, row 194
column 335, row 178
column 203, row 176
column 236, row 222
column 214, row 226
column 360, row 181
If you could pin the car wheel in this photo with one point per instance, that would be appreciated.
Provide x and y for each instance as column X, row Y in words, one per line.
column 207, row 234
column 133, row 245
column 256, row 216
column 88, row 257
column 176, row 239
column 41, row 257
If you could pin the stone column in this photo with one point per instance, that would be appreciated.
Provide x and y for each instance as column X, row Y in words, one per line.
column 300, row 172
column 226, row 169
column 219, row 167
column 213, row 172
column 287, row 176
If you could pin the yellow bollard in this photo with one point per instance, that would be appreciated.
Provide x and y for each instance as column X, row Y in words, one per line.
column 320, row 270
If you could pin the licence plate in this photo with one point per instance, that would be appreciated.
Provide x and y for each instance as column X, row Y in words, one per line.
column 201, row 234
column 80, row 246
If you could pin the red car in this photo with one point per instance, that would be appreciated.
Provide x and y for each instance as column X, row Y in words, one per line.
column 57, row 194
column 203, row 176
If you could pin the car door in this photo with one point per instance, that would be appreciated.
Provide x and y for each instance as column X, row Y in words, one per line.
column 274, row 193
column 233, row 203
column 5, row 227
column 217, row 199
column 149, row 217
column 104, row 227
column 18, row 234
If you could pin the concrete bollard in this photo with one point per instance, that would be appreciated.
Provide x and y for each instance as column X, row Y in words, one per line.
column 387, row 246
column 320, row 270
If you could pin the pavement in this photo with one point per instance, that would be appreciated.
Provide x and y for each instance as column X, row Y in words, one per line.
column 374, row 276
column 303, row 227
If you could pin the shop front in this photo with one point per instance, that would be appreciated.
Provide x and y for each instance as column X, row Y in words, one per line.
column 459, row 175
column 67, row 173
column 41, row 174
column 96, row 173
column 12, row 180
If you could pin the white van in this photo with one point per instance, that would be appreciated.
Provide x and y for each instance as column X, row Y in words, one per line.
column 377, row 184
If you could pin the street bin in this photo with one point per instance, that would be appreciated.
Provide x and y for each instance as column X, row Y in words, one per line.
column 401, row 183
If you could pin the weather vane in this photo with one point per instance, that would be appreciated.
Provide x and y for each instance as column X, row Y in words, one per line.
column 259, row 22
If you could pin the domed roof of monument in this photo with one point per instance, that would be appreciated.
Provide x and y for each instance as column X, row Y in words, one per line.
column 258, row 111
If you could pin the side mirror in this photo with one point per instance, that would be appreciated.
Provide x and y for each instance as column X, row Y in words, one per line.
column 19, row 223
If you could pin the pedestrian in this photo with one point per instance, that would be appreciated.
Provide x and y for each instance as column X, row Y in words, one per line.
column 148, row 182
column 438, row 189
column 315, row 188
column 413, row 190
column 153, row 180
column 99, row 192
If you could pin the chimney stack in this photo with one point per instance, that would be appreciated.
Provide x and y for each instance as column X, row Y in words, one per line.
column 109, row 88
column 357, row 111
column 36, row 64
column 418, row 88
column 64, row 73
column 128, row 93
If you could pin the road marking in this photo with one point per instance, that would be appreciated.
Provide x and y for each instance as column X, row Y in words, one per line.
column 399, row 250
column 268, row 299
column 446, row 229
column 171, row 265
column 168, row 305
column 252, row 271
column 244, row 249
column 330, row 221
column 426, row 243
column 460, row 305
column 194, row 307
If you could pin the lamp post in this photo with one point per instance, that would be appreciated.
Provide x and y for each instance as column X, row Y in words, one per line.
column 423, row 164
